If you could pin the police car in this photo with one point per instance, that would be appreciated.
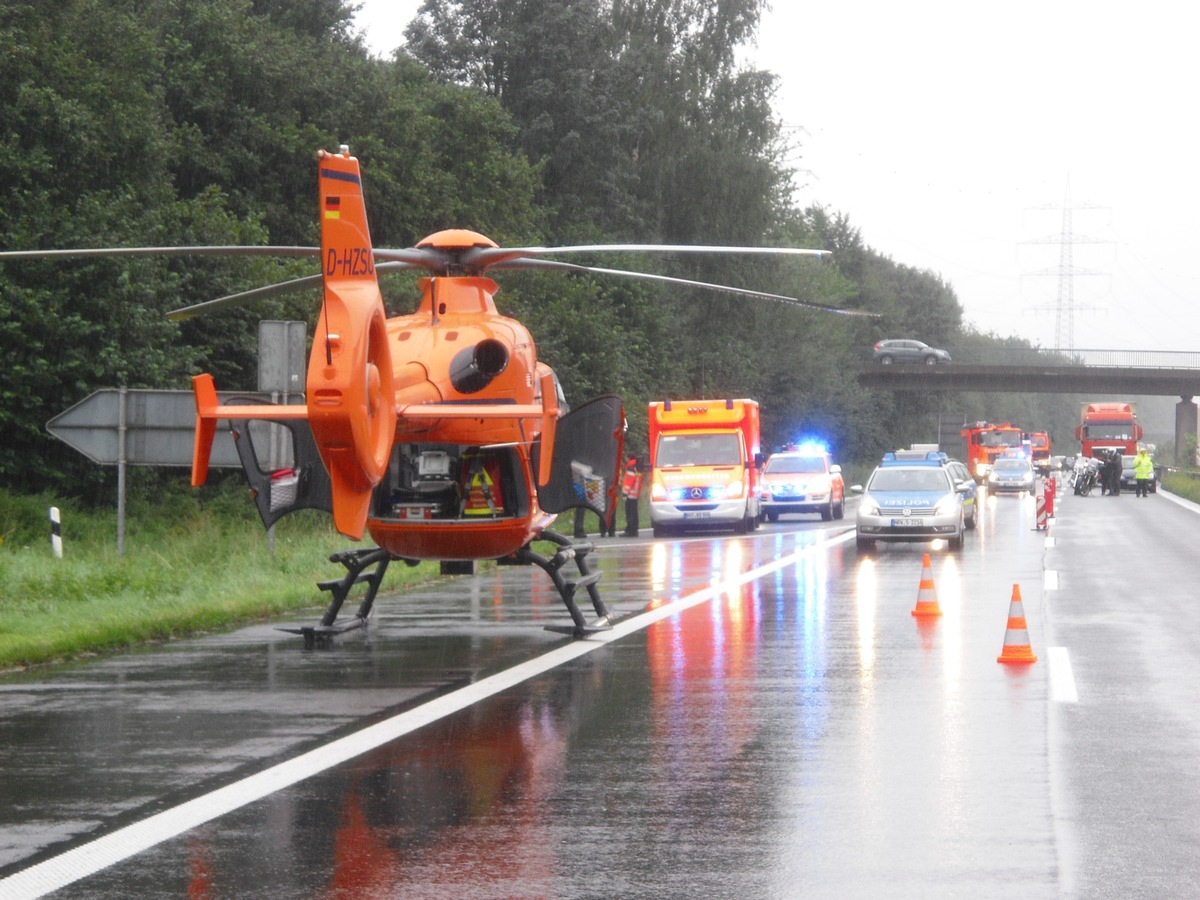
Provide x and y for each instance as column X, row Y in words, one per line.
column 916, row 497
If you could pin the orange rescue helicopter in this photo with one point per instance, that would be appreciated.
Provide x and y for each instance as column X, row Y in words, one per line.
column 438, row 433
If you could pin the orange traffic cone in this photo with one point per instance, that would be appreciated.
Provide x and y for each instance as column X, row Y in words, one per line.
column 1016, row 638
column 927, row 604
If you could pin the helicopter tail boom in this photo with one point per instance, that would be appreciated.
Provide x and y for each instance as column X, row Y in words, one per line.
column 351, row 406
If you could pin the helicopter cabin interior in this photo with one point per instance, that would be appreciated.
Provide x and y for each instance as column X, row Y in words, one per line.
column 430, row 481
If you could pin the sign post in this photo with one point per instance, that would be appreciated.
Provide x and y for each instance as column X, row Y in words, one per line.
column 280, row 374
column 123, row 427
column 128, row 427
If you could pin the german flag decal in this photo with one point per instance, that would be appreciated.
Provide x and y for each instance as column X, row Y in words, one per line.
column 333, row 207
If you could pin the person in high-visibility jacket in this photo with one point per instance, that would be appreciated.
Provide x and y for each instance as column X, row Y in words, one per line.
column 1143, row 471
column 631, row 490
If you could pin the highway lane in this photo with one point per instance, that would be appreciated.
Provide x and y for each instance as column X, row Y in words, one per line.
column 1128, row 751
column 797, row 735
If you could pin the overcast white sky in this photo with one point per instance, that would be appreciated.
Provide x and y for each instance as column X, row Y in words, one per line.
column 952, row 133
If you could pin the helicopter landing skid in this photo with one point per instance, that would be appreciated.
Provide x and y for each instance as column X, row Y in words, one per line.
column 567, row 587
column 355, row 562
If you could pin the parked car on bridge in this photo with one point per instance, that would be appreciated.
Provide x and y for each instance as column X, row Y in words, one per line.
column 906, row 350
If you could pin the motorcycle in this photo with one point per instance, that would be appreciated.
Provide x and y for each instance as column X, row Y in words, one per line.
column 1085, row 476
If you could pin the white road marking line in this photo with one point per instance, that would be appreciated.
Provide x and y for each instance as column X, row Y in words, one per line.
column 1050, row 579
column 1179, row 501
column 1062, row 680
column 88, row 859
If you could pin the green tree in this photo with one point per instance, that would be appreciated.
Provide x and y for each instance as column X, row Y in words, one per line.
column 158, row 123
column 154, row 122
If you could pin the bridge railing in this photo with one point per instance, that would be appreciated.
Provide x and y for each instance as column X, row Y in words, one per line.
column 1130, row 359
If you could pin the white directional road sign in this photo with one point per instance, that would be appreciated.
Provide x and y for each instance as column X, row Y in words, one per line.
column 158, row 429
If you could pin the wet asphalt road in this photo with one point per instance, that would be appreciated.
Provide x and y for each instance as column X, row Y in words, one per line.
column 768, row 719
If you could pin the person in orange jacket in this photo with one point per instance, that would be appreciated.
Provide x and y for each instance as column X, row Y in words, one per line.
column 631, row 490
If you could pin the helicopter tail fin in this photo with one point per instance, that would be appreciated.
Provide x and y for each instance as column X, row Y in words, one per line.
column 549, row 426
column 206, row 426
column 210, row 410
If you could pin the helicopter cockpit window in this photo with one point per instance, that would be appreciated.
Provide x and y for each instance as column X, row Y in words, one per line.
column 562, row 397
column 451, row 481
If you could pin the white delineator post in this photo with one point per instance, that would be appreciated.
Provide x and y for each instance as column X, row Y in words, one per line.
column 56, row 532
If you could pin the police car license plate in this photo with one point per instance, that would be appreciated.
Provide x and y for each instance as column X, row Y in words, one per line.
column 696, row 515
column 910, row 522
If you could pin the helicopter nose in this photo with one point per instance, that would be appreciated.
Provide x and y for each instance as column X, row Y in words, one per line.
column 473, row 369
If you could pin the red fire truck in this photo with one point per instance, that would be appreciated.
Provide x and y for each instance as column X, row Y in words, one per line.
column 1039, row 447
column 984, row 441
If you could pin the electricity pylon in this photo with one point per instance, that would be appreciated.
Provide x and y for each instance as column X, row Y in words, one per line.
column 1064, row 324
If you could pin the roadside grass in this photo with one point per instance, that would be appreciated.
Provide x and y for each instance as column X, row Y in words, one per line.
column 1184, row 484
column 194, row 561
column 191, row 564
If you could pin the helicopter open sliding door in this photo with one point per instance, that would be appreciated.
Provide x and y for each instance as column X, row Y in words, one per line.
column 588, row 445
column 293, row 476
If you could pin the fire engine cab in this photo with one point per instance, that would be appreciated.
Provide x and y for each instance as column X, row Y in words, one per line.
column 984, row 441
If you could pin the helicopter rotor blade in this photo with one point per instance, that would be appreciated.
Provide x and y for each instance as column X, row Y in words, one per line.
column 414, row 257
column 308, row 282
column 473, row 259
column 262, row 293
column 485, row 257
column 229, row 250
column 549, row 265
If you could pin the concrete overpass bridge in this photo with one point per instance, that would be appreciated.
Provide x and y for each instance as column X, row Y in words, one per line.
column 1102, row 374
